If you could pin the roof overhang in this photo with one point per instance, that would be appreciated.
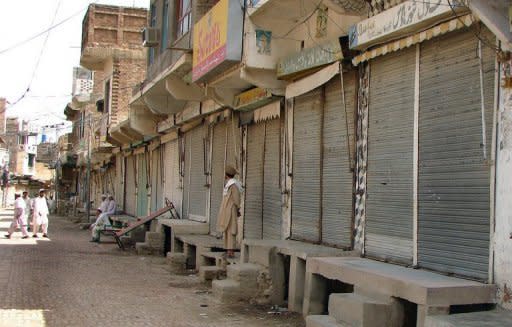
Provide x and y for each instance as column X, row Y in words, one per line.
column 168, row 93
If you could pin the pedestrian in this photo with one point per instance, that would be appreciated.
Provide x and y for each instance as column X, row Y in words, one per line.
column 5, row 180
column 103, row 205
column 40, row 214
column 28, row 208
column 103, row 220
column 19, row 219
column 227, row 221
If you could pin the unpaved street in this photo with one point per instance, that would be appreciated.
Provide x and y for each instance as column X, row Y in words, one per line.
column 67, row 281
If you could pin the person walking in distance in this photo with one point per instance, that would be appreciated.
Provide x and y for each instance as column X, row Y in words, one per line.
column 227, row 221
column 19, row 219
column 40, row 215
column 28, row 208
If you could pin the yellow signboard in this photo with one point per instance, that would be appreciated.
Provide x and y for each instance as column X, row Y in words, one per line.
column 210, row 40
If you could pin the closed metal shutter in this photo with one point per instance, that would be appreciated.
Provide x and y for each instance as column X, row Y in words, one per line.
column 338, row 151
column 218, row 155
column 253, row 221
column 389, row 205
column 195, row 198
column 272, row 220
column 171, row 177
column 454, row 200
column 119, row 180
column 156, row 180
column 232, row 142
column 142, row 191
column 130, row 190
column 306, row 197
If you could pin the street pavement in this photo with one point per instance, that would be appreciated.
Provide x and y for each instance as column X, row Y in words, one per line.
column 68, row 281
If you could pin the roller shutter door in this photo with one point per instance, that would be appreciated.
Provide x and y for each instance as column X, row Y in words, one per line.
column 453, row 189
column 338, row 152
column 171, row 177
column 196, row 191
column 130, row 191
column 156, row 180
column 218, row 155
column 142, row 184
column 272, row 220
column 253, row 222
column 306, row 197
column 389, row 205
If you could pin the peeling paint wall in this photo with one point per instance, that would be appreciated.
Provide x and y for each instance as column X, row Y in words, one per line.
column 503, row 220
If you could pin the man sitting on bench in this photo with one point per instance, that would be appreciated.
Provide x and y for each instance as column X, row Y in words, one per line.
column 103, row 220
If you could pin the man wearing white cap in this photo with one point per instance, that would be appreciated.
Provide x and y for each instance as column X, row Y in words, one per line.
column 40, row 217
column 103, row 205
column 20, row 217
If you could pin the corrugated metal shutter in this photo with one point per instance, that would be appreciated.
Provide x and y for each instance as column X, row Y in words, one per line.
column 306, row 197
column 171, row 178
column 389, row 205
column 142, row 191
column 156, row 181
column 338, row 178
column 272, row 216
column 232, row 143
column 454, row 200
column 119, row 180
column 218, row 155
column 254, row 182
column 130, row 191
column 195, row 198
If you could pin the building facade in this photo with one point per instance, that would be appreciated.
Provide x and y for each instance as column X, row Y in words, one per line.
column 369, row 129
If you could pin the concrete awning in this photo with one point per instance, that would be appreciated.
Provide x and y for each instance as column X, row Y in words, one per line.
column 168, row 92
column 125, row 134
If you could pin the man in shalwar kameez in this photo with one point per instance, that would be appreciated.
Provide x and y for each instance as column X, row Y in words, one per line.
column 40, row 214
column 227, row 220
column 103, row 220
column 20, row 217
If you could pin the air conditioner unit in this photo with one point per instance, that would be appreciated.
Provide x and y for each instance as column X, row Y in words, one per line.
column 150, row 37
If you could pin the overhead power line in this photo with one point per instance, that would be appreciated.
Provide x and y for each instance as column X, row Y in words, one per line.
column 16, row 45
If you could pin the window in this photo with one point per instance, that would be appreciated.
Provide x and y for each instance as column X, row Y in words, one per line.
column 165, row 26
column 152, row 23
column 184, row 11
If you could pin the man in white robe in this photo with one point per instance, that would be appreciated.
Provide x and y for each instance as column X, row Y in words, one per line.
column 103, row 220
column 19, row 219
column 28, row 208
column 40, row 215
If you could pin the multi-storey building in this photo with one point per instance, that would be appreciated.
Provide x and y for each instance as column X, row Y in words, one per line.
column 367, row 132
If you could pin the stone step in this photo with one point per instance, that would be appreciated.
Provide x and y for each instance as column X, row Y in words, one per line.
column 154, row 239
column 323, row 321
column 362, row 311
column 227, row 290
column 208, row 273
column 244, row 272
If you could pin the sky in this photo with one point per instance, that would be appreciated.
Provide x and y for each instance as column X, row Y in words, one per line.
column 49, row 81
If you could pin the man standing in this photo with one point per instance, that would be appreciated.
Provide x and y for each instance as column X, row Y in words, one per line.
column 227, row 221
column 20, row 218
column 103, row 220
column 40, row 214
column 28, row 209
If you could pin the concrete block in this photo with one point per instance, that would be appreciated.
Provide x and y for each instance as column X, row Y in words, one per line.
column 227, row 290
column 359, row 310
column 208, row 273
column 315, row 289
column 245, row 272
column 296, row 284
column 323, row 321
column 425, row 311
column 259, row 255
